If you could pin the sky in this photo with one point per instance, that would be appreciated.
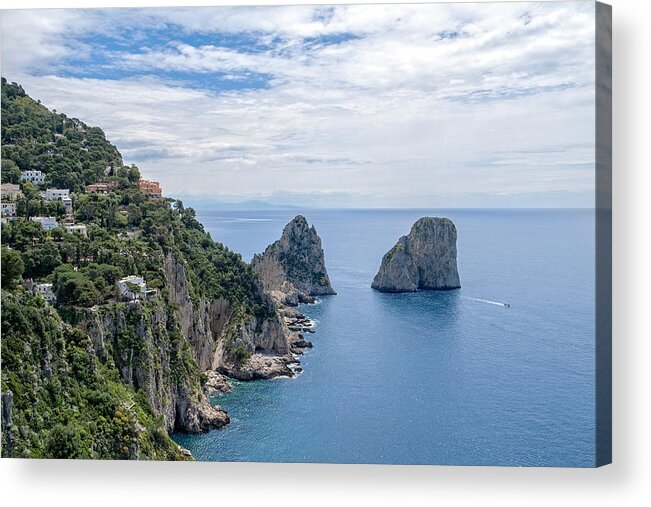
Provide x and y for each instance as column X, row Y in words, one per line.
column 429, row 106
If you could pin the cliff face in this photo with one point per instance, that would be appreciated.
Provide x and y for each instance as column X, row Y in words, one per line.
column 425, row 259
column 145, row 345
column 163, row 348
column 293, row 268
column 213, row 328
column 62, row 395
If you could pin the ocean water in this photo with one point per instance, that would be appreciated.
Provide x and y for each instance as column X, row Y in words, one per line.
column 431, row 377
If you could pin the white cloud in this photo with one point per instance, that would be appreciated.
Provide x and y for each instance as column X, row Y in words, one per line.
column 428, row 103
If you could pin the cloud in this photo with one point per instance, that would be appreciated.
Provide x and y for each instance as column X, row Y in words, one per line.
column 376, row 103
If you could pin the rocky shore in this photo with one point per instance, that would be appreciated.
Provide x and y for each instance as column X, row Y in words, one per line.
column 265, row 366
column 291, row 272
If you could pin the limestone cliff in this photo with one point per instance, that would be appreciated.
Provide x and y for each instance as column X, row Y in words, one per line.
column 425, row 259
column 293, row 269
column 144, row 343
column 215, row 328
column 90, row 375
column 161, row 348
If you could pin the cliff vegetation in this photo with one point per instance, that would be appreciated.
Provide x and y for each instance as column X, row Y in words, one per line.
column 120, row 373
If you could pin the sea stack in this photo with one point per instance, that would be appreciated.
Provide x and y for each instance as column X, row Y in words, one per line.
column 425, row 259
column 293, row 269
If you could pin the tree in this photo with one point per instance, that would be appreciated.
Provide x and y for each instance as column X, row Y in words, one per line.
column 10, row 171
column 66, row 442
column 12, row 268
column 42, row 260
column 74, row 288
column 134, row 173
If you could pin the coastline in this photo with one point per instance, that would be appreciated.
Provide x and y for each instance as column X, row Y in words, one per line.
column 261, row 366
column 442, row 341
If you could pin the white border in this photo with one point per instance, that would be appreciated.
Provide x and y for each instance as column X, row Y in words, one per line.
column 626, row 482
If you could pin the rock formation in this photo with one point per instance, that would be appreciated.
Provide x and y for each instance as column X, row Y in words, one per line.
column 206, row 323
column 293, row 269
column 425, row 259
column 211, row 328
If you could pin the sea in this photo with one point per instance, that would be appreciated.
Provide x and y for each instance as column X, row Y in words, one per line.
column 449, row 378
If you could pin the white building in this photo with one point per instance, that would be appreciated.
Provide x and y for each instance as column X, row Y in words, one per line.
column 8, row 209
column 77, row 229
column 132, row 287
column 33, row 176
column 11, row 192
column 57, row 194
column 48, row 223
column 45, row 290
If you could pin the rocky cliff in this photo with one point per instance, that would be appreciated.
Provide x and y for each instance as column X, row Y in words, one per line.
column 145, row 344
column 91, row 375
column 63, row 395
column 215, row 328
column 425, row 259
column 226, row 339
column 293, row 268
column 162, row 348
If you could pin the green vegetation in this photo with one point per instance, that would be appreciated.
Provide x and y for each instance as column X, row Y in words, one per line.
column 12, row 268
column 74, row 288
column 66, row 402
column 73, row 397
column 242, row 355
column 71, row 153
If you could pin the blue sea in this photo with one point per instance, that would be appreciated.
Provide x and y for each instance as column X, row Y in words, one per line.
column 432, row 377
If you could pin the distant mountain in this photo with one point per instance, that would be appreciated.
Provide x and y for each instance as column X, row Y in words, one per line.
column 251, row 205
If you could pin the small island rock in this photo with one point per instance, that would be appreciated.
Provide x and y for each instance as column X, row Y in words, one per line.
column 425, row 259
column 293, row 269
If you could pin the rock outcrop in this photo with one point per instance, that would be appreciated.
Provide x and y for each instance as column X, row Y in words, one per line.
column 206, row 323
column 425, row 259
column 262, row 367
column 293, row 268
column 156, row 347
column 217, row 384
column 146, row 347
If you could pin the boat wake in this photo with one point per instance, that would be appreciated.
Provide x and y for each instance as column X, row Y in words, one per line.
column 488, row 301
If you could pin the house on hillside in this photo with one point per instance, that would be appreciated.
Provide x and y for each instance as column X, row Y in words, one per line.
column 56, row 194
column 45, row 290
column 48, row 223
column 9, row 209
column 102, row 188
column 150, row 188
column 61, row 195
column 11, row 192
column 77, row 229
column 33, row 176
column 132, row 287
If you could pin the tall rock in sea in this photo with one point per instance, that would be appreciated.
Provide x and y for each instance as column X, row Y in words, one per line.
column 293, row 269
column 425, row 259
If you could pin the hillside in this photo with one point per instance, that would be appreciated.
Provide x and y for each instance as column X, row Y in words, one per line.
column 199, row 307
column 69, row 151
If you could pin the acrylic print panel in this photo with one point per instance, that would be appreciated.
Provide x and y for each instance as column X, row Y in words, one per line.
column 340, row 234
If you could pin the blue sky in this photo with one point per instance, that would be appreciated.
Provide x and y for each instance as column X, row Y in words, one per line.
column 440, row 105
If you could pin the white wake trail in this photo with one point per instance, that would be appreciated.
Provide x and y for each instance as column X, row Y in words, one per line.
column 497, row 303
